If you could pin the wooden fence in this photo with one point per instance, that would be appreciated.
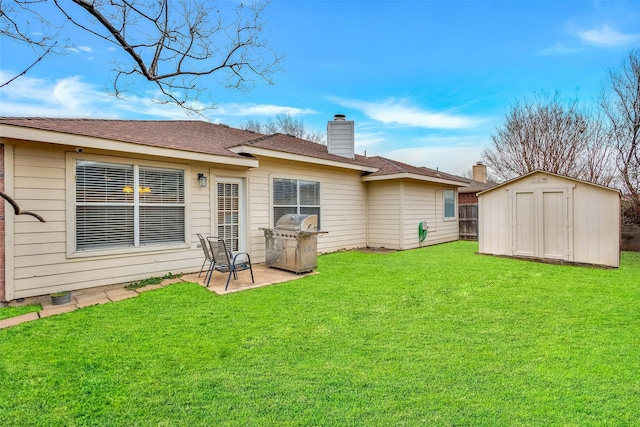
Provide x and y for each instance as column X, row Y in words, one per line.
column 468, row 220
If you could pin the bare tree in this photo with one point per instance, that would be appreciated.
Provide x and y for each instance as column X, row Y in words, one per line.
column 620, row 101
column 20, row 21
column 172, row 43
column 547, row 135
column 284, row 123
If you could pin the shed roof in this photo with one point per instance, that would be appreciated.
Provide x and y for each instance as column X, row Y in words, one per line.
column 550, row 174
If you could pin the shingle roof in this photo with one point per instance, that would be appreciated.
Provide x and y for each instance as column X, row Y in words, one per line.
column 209, row 138
column 292, row 145
column 195, row 136
column 391, row 167
column 476, row 186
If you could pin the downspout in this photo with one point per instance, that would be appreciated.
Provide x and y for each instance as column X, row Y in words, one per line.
column 402, row 218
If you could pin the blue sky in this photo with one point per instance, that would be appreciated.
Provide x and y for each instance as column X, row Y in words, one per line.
column 426, row 82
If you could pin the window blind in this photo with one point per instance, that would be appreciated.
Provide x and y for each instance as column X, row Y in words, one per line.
column 107, row 208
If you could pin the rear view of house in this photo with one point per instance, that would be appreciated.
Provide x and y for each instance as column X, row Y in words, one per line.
column 124, row 200
column 548, row 216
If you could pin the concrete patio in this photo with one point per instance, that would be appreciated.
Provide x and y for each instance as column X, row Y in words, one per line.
column 263, row 276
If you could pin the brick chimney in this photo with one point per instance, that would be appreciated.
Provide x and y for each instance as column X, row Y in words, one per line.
column 341, row 137
column 479, row 172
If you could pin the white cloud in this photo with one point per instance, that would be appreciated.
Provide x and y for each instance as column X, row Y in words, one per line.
column 67, row 97
column 606, row 36
column 453, row 159
column 368, row 141
column 400, row 112
column 266, row 110
column 78, row 49
column 72, row 97
column 559, row 49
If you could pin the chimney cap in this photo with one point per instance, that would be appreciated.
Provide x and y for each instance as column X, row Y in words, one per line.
column 339, row 117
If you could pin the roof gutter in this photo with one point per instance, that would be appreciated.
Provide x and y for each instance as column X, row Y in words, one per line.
column 66, row 139
column 406, row 175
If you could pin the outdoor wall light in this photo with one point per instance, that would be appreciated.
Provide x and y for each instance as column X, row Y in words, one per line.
column 202, row 180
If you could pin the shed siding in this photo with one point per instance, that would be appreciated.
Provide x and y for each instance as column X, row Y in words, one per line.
column 493, row 223
column 592, row 227
column 598, row 220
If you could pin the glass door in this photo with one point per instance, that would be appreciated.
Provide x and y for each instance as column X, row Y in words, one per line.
column 230, row 213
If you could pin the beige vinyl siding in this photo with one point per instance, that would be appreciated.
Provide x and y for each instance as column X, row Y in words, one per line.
column 385, row 201
column 342, row 204
column 39, row 252
column 41, row 258
column 423, row 202
column 397, row 207
column 592, row 225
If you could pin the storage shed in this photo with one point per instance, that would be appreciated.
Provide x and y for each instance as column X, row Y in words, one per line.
column 548, row 216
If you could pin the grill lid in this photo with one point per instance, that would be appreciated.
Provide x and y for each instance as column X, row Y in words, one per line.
column 297, row 222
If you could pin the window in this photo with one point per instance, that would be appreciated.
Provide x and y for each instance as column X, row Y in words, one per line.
column 449, row 203
column 292, row 196
column 120, row 205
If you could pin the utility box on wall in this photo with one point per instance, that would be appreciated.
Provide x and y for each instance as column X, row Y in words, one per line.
column 547, row 216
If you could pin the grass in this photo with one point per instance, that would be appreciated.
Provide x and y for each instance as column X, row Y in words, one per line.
column 434, row 336
column 7, row 312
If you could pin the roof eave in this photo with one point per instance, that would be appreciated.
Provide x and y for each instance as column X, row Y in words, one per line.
column 547, row 173
column 265, row 152
column 66, row 139
column 407, row 175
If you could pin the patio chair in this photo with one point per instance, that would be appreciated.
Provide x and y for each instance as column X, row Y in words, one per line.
column 226, row 262
column 207, row 256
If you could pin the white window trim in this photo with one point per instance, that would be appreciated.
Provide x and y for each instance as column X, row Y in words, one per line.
column 455, row 205
column 272, row 206
column 71, row 207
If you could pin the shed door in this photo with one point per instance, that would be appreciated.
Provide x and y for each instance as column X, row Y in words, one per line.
column 540, row 223
column 554, row 238
column 525, row 224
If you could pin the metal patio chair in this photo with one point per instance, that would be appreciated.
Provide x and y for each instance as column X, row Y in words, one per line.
column 207, row 256
column 226, row 262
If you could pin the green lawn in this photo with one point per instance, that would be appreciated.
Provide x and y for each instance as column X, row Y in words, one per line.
column 7, row 312
column 433, row 336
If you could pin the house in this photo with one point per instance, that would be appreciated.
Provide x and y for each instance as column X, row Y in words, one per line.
column 552, row 217
column 123, row 200
column 479, row 182
column 468, row 201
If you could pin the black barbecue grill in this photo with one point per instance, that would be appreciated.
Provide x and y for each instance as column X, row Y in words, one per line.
column 293, row 243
